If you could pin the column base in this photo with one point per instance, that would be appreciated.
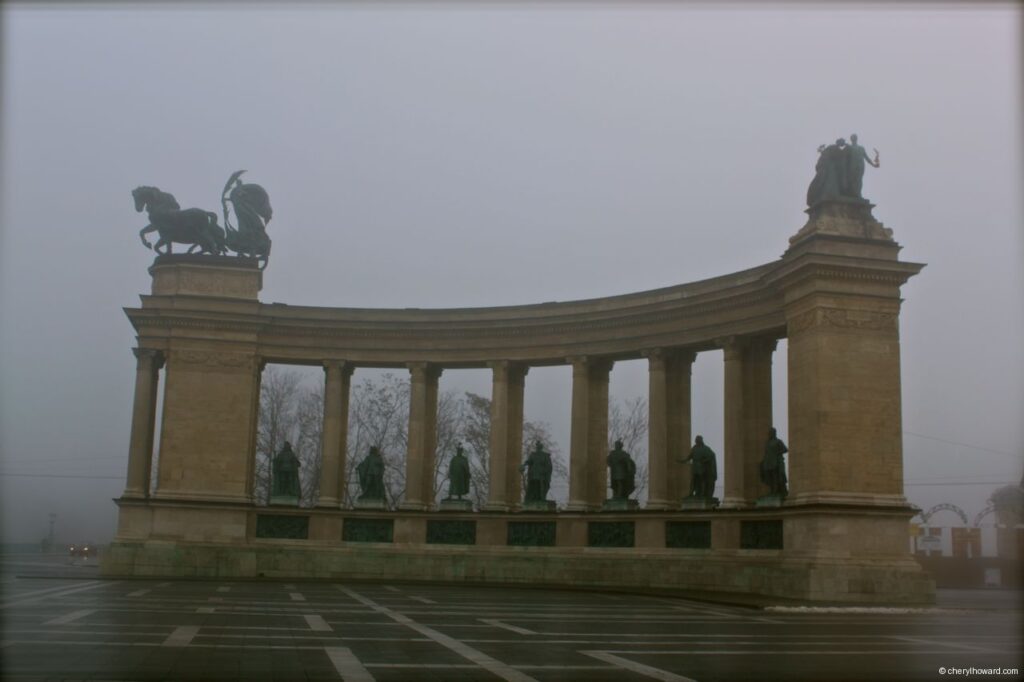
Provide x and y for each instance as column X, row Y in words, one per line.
column 411, row 506
column 498, row 507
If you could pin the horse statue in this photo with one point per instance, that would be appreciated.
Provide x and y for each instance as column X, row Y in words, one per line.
column 253, row 212
column 192, row 226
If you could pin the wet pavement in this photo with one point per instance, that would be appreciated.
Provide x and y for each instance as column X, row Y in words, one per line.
column 61, row 622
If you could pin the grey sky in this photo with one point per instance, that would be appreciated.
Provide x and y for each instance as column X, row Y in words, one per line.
column 474, row 155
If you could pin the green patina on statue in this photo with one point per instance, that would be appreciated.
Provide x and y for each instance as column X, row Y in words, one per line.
column 371, row 476
column 285, row 482
column 705, row 470
column 199, row 229
column 538, row 474
column 773, row 465
column 623, row 472
column 839, row 172
column 458, row 474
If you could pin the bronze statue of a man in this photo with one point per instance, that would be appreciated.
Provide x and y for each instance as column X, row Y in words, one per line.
column 705, row 470
column 458, row 474
column 623, row 472
column 773, row 465
column 371, row 476
column 285, row 473
column 538, row 474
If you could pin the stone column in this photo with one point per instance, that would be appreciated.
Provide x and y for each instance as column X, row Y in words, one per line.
column 680, row 372
column 419, row 463
column 757, row 413
column 335, row 432
column 597, row 441
column 579, row 435
column 140, row 449
column 668, row 426
column 734, row 433
column 506, row 441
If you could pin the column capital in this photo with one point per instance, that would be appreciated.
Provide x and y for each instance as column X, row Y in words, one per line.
column 732, row 345
column 149, row 355
column 344, row 367
column 509, row 366
column 427, row 370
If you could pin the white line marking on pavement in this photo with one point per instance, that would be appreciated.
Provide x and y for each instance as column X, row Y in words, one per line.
column 29, row 597
column 492, row 665
column 164, row 585
column 347, row 665
column 181, row 636
column 137, row 593
column 224, row 588
column 639, row 668
column 498, row 624
column 424, row 600
column 205, row 609
column 290, row 586
column 74, row 615
column 391, row 588
column 318, row 623
column 954, row 645
column 296, row 596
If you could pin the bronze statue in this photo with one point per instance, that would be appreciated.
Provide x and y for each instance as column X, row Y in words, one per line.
column 623, row 472
column 773, row 465
column 855, row 159
column 538, row 474
column 286, row 473
column 371, row 476
column 192, row 226
column 458, row 474
column 839, row 172
column 705, row 470
column 253, row 212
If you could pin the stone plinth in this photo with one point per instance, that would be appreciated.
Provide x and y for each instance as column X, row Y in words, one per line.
column 456, row 505
column 208, row 276
column 369, row 504
column 539, row 506
column 769, row 501
column 284, row 501
column 619, row 505
column 707, row 503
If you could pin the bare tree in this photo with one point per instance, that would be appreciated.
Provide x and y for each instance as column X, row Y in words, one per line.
column 627, row 421
column 476, row 437
column 379, row 416
column 289, row 411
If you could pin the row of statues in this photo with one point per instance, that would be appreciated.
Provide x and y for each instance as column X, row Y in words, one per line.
column 537, row 470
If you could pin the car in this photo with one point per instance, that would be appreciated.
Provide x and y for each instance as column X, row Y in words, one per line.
column 82, row 550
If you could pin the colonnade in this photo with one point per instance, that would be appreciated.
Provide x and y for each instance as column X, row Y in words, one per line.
column 747, row 418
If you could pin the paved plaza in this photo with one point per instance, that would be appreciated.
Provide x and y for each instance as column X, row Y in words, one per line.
column 76, row 626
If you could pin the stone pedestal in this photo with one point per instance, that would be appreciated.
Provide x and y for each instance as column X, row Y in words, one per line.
column 619, row 505
column 769, row 501
column 541, row 506
column 456, row 505
column 704, row 503
column 284, row 501
column 369, row 504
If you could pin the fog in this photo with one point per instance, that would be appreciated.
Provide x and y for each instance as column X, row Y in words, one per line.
column 490, row 154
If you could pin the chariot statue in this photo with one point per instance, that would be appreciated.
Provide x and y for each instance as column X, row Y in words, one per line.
column 198, row 228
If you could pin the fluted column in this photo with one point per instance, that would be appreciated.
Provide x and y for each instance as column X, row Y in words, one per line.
column 588, row 447
column 335, row 432
column 668, row 432
column 579, row 435
column 757, row 413
column 680, row 373
column 597, row 441
column 506, row 437
column 419, row 462
column 140, row 449
column 734, row 433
